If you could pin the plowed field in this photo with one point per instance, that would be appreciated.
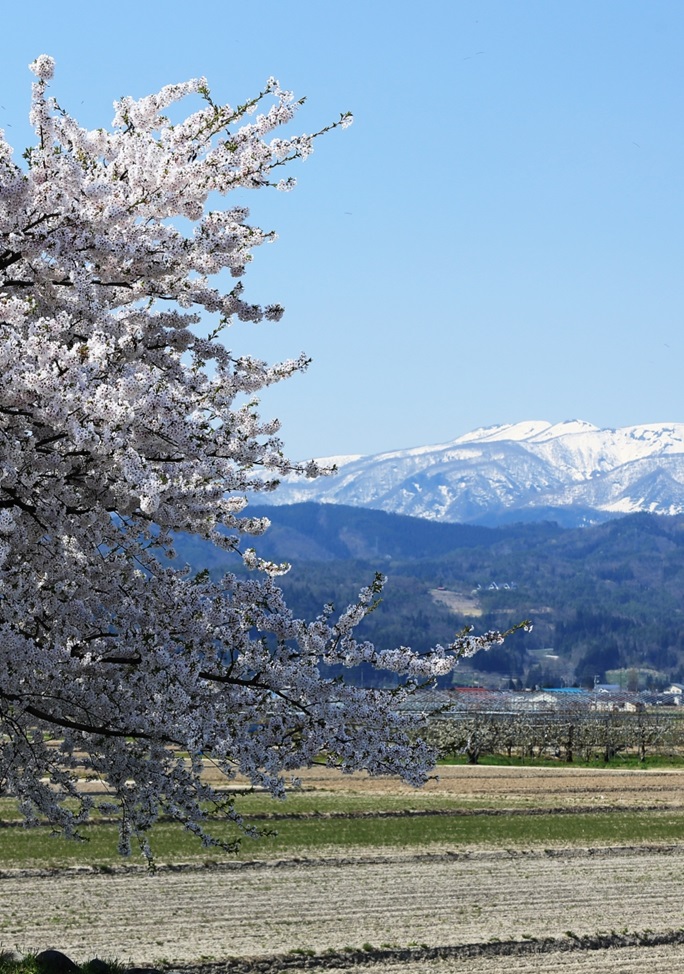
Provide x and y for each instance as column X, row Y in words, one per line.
column 418, row 898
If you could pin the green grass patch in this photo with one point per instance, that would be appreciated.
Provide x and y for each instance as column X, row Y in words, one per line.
column 36, row 847
column 26, row 966
column 30, row 965
column 337, row 803
column 501, row 830
column 630, row 762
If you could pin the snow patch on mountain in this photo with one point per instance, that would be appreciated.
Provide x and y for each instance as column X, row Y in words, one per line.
column 495, row 472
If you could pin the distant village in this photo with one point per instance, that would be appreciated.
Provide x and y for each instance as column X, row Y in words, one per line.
column 605, row 697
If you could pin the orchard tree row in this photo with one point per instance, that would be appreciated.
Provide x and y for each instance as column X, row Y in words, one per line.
column 580, row 735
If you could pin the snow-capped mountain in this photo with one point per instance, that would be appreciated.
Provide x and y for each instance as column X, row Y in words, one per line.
column 573, row 472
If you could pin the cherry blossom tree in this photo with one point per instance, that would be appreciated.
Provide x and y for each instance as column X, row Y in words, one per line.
column 125, row 419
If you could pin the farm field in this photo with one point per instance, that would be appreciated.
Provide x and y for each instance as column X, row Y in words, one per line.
column 627, row 961
column 488, row 904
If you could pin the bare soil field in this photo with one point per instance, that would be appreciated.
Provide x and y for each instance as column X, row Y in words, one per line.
column 557, row 786
column 420, row 898
column 632, row 960
column 276, row 908
column 459, row 602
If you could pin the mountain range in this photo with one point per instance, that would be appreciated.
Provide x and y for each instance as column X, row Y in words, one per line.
column 571, row 472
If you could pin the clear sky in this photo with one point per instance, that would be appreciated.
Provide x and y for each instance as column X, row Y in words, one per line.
column 498, row 237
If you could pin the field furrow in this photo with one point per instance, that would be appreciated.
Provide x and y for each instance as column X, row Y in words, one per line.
column 629, row 960
column 182, row 917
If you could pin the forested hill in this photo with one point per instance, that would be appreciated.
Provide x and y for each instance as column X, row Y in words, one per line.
column 602, row 599
column 332, row 532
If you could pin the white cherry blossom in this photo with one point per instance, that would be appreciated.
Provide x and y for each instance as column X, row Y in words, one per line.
column 122, row 424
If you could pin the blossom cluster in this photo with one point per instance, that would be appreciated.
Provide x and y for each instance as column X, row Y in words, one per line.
column 122, row 423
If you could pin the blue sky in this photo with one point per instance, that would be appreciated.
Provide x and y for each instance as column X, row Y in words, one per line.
column 498, row 237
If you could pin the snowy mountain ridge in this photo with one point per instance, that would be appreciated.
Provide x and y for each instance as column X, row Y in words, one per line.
column 573, row 472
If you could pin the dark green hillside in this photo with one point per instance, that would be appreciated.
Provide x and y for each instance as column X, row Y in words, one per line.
column 310, row 532
column 602, row 598
column 324, row 532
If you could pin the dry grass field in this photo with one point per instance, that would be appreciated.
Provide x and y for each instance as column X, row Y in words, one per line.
column 534, row 786
column 345, row 905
